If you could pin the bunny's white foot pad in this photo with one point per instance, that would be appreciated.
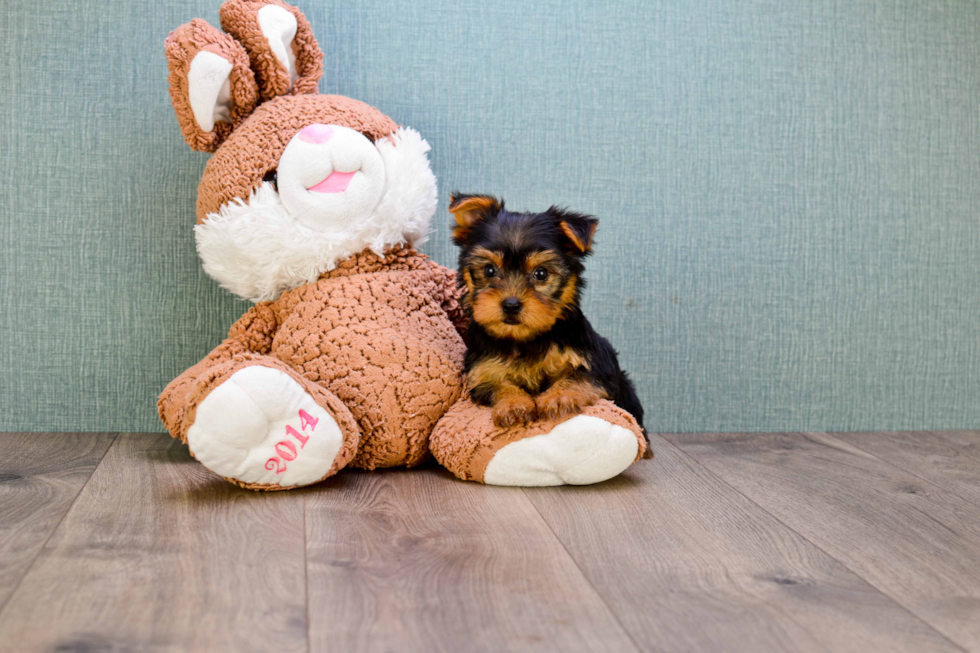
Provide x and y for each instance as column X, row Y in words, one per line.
column 261, row 427
column 580, row 451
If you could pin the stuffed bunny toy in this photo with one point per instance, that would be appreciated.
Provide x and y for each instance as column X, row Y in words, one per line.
column 311, row 206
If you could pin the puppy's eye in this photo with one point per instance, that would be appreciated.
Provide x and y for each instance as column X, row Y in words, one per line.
column 489, row 271
column 272, row 176
column 540, row 274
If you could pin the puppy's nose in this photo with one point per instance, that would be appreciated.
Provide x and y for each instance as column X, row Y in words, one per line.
column 511, row 306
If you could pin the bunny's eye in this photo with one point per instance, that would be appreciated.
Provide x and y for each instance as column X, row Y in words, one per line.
column 272, row 176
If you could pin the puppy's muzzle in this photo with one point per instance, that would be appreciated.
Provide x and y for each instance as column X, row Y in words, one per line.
column 511, row 307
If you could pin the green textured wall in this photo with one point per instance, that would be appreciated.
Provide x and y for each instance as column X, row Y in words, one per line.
column 788, row 193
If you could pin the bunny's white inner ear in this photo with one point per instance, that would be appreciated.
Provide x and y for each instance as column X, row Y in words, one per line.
column 279, row 27
column 209, row 89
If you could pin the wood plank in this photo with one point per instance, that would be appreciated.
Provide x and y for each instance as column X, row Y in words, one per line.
column 967, row 441
column 40, row 476
column 928, row 455
column 913, row 540
column 415, row 560
column 689, row 564
column 159, row 554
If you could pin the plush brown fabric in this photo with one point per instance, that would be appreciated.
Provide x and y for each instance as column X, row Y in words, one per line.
column 254, row 148
column 239, row 18
column 249, row 336
column 466, row 439
column 376, row 333
column 181, row 47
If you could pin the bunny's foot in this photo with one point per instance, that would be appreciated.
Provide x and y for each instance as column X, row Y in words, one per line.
column 591, row 447
column 266, row 429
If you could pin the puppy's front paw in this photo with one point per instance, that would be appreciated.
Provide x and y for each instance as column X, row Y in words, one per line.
column 513, row 410
column 565, row 400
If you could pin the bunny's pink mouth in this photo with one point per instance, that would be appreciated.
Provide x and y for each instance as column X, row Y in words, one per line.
column 336, row 182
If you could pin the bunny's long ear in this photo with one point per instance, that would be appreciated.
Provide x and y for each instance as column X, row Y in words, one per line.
column 211, row 85
column 285, row 56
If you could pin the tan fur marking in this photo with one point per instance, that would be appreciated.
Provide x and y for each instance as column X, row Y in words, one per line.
column 460, row 232
column 470, row 204
column 515, row 332
column 467, row 297
column 491, row 371
column 513, row 407
column 539, row 259
column 511, row 403
column 538, row 316
column 558, row 363
column 567, row 397
column 493, row 257
column 572, row 236
column 561, row 361
column 468, row 211
column 568, row 294
column 486, row 307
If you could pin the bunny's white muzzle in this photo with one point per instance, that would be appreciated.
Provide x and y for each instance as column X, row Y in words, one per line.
column 330, row 177
column 260, row 246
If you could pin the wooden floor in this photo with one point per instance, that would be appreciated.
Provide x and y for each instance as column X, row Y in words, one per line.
column 765, row 542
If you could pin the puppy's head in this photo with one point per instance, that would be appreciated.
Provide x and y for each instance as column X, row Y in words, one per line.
column 522, row 271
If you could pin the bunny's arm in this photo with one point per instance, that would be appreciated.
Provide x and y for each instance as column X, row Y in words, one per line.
column 254, row 331
column 449, row 295
column 249, row 337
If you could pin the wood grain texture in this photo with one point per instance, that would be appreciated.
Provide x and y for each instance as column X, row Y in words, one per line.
column 419, row 561
column 772, row 542
column 910, row 538
column 157, row 553
column 966, row 441
column 688, row 564
column 927, row 454
column 40, row 476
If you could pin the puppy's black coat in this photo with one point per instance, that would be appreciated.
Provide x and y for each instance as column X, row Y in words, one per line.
column 530, row 349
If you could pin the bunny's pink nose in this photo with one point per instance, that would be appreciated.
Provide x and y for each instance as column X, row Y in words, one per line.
column 316, row 133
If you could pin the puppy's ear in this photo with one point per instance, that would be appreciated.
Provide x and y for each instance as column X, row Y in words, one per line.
column 469, row 210
column 211, row 84
column 578, row 229
column 280, row 43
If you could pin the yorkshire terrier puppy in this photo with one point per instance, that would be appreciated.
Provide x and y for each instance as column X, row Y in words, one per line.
column 530, row 350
